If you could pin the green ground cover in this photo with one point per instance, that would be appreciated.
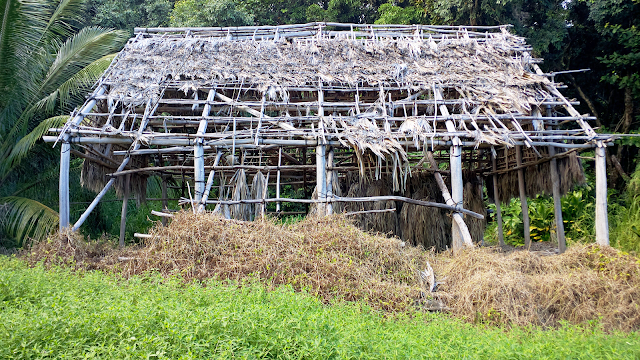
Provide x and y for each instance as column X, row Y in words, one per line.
column 57, row 313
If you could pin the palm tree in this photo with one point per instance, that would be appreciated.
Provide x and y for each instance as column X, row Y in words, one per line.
column 47, row 62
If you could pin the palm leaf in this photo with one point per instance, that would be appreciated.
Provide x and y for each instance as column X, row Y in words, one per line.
column 22, row 147
column 26, row 218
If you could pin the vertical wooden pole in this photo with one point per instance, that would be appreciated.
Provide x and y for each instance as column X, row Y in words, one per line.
column 330, row 182
column 123, row 215
column 207, row 188
column 278, row 179
column 602, row 218
column 457, row 187
column 496, row 198
column 165, row 202
column 198, row 150
column 455, row 160
column 65, row 160
column 557, row 204
column 321, row 178
column 523, row 199
column 555, row 181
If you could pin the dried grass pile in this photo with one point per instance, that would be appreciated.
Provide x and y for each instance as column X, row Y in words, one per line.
column 328, row 257
column 522, row 288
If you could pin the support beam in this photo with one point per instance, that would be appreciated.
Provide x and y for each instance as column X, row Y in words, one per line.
column 149, row 110
column 457, row 184
column 207, row 189
column 198, row 151
column 457, row 217
column 321, row 178
column 602, row 218
column 523, row 199
column 330, row 181
column 65, row 158
column 278, row 179
column 555, row 183
column 123, row 214
column 496, row 199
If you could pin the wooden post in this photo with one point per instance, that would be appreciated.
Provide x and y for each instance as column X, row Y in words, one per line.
column 455, row 160
column 496, row 198
column 123, row 215
column 65, row 160
column 165, row 202
column 330, row 182
column 602, row 218
column 207, row 189
column 321, row 179
column 198, row 150
column 523, row 199
column 457, row 216
column 278, row 179
column 555, row 180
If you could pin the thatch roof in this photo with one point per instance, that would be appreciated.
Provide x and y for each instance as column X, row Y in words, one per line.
column 491, row 72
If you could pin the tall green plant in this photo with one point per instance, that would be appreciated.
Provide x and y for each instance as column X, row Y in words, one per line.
column 48, row 62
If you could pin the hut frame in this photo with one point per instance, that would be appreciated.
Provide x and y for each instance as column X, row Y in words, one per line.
column 379, row 100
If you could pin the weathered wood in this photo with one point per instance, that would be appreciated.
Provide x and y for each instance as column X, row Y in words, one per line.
column 369, row 212
column 198, row 151
column 602, row 217
column 523, row 199
column 496, row 199
column 329, row 185
column 142, row 236
column 162, row 214
column 123, row 214
column 457, row 184
column 207, row 189
column 457, row 218
column 321, row 178
column 346, row 199
column 165, row 202
column 65, row 161
column 557, row 204
column 278, row 178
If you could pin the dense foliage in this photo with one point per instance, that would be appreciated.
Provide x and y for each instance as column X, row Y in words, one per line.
column 59, row 314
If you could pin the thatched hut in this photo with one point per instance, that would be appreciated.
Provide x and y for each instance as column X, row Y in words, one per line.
column 399, row 125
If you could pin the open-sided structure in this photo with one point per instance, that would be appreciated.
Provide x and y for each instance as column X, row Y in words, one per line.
column 400, row 123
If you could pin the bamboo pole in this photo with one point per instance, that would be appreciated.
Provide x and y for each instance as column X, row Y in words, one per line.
column 602, row 218
column 65, row 159
column 457, row 185
column 321, row 178
column 198, row 151
column 123, row 214
column 278, row 178
column 557, row 204
column 496, row 199
column 329, row 185
column 143, row 123
column 523, row 199
column 457, row 217
column 207, row 189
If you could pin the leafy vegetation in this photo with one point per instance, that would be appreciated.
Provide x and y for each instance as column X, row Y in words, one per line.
column 60, row 314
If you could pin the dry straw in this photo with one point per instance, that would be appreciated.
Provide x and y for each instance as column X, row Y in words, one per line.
column 331, row 258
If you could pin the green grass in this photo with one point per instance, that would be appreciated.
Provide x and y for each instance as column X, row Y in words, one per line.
column 60, row 314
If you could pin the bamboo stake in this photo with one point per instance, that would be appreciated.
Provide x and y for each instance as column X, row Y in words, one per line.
column 496, row 199
column 602, row 218
column 278, row 178
column 198, row 151
column 523, row 200
column 207, row 189
column 65, row 158
column 123, row 214
column 329, row 185
column 464, row 230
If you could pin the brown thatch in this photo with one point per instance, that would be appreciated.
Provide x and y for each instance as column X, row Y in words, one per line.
column 419, row 225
